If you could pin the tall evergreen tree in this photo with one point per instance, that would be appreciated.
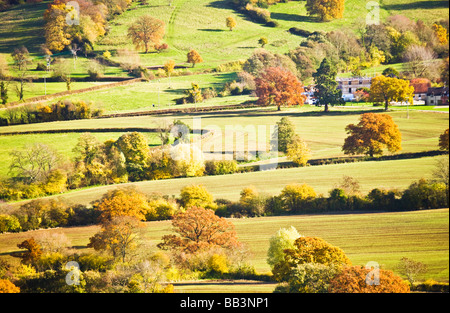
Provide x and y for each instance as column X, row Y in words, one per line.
column 326, row 85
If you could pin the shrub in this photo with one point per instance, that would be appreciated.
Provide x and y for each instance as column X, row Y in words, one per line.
column 160, row 210
column 296, row 197
column 221, row 167
column 353, row 280
column 8, row 287
column 309, row 250
column 9, row 224
column 300, row 32
column 94, row 262
column 308, row 278
column 196, row 196
column 218, row 265
column 423, row 195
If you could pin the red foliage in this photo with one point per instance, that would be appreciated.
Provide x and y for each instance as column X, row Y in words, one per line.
column 277, row 86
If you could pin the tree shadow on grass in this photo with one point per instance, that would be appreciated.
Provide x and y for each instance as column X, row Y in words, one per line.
column 422, row 5
column 214, row 30
column 294, row 17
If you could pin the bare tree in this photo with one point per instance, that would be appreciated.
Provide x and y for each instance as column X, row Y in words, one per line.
column 411, row 269
column 33, row 163
column 421, row 61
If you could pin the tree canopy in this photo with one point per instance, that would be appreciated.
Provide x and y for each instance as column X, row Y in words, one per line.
column 372, row 134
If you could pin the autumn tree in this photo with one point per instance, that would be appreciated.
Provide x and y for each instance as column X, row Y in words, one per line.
column 146, row 31
column 263, row 41
column 277, row 86
column 196, row 196
column 169, row 66
column 387, row 89
column 444, row 141
column 199, row 229
column 309, row 250
column 119, row 236
column 372, row 134
column 353, row 280
column 231, row 23
column 194, row 57
column 122, row 202
column 295, row 196
column 326, row 89
column 298, row 151
column 326, row 10
column 32, row 254
column 8, row 287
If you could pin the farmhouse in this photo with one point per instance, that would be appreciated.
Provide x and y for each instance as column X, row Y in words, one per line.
column 421, row 86
column 437, row 96
column 350, row 85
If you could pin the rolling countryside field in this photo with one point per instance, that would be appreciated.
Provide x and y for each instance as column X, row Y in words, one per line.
column 137, row 142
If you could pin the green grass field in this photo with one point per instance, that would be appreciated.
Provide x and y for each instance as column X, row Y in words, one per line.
column 158, row 94
column 382, row 237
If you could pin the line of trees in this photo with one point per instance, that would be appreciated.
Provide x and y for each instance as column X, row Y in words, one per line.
column 294, row 199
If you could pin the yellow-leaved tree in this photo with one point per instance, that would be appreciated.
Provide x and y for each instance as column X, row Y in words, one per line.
column 326, row 10
column 388, row 89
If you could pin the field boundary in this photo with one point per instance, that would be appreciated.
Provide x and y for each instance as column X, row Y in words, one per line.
column 38, row 99
column 245, row 105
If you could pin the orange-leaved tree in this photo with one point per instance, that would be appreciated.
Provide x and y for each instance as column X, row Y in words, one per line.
column 200, row 229
column 372, row 134
column 119, row 236
column 146, row 31
column 354, row 280
column 122, row 202
column 32, row 254
column 8, row 287
column 194, row 57
column 277, row 86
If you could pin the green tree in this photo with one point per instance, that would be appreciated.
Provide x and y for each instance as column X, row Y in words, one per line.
column 282, row 240
column 326, row 85
column 284, row 134
column 136, row 150
column 4, row 92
